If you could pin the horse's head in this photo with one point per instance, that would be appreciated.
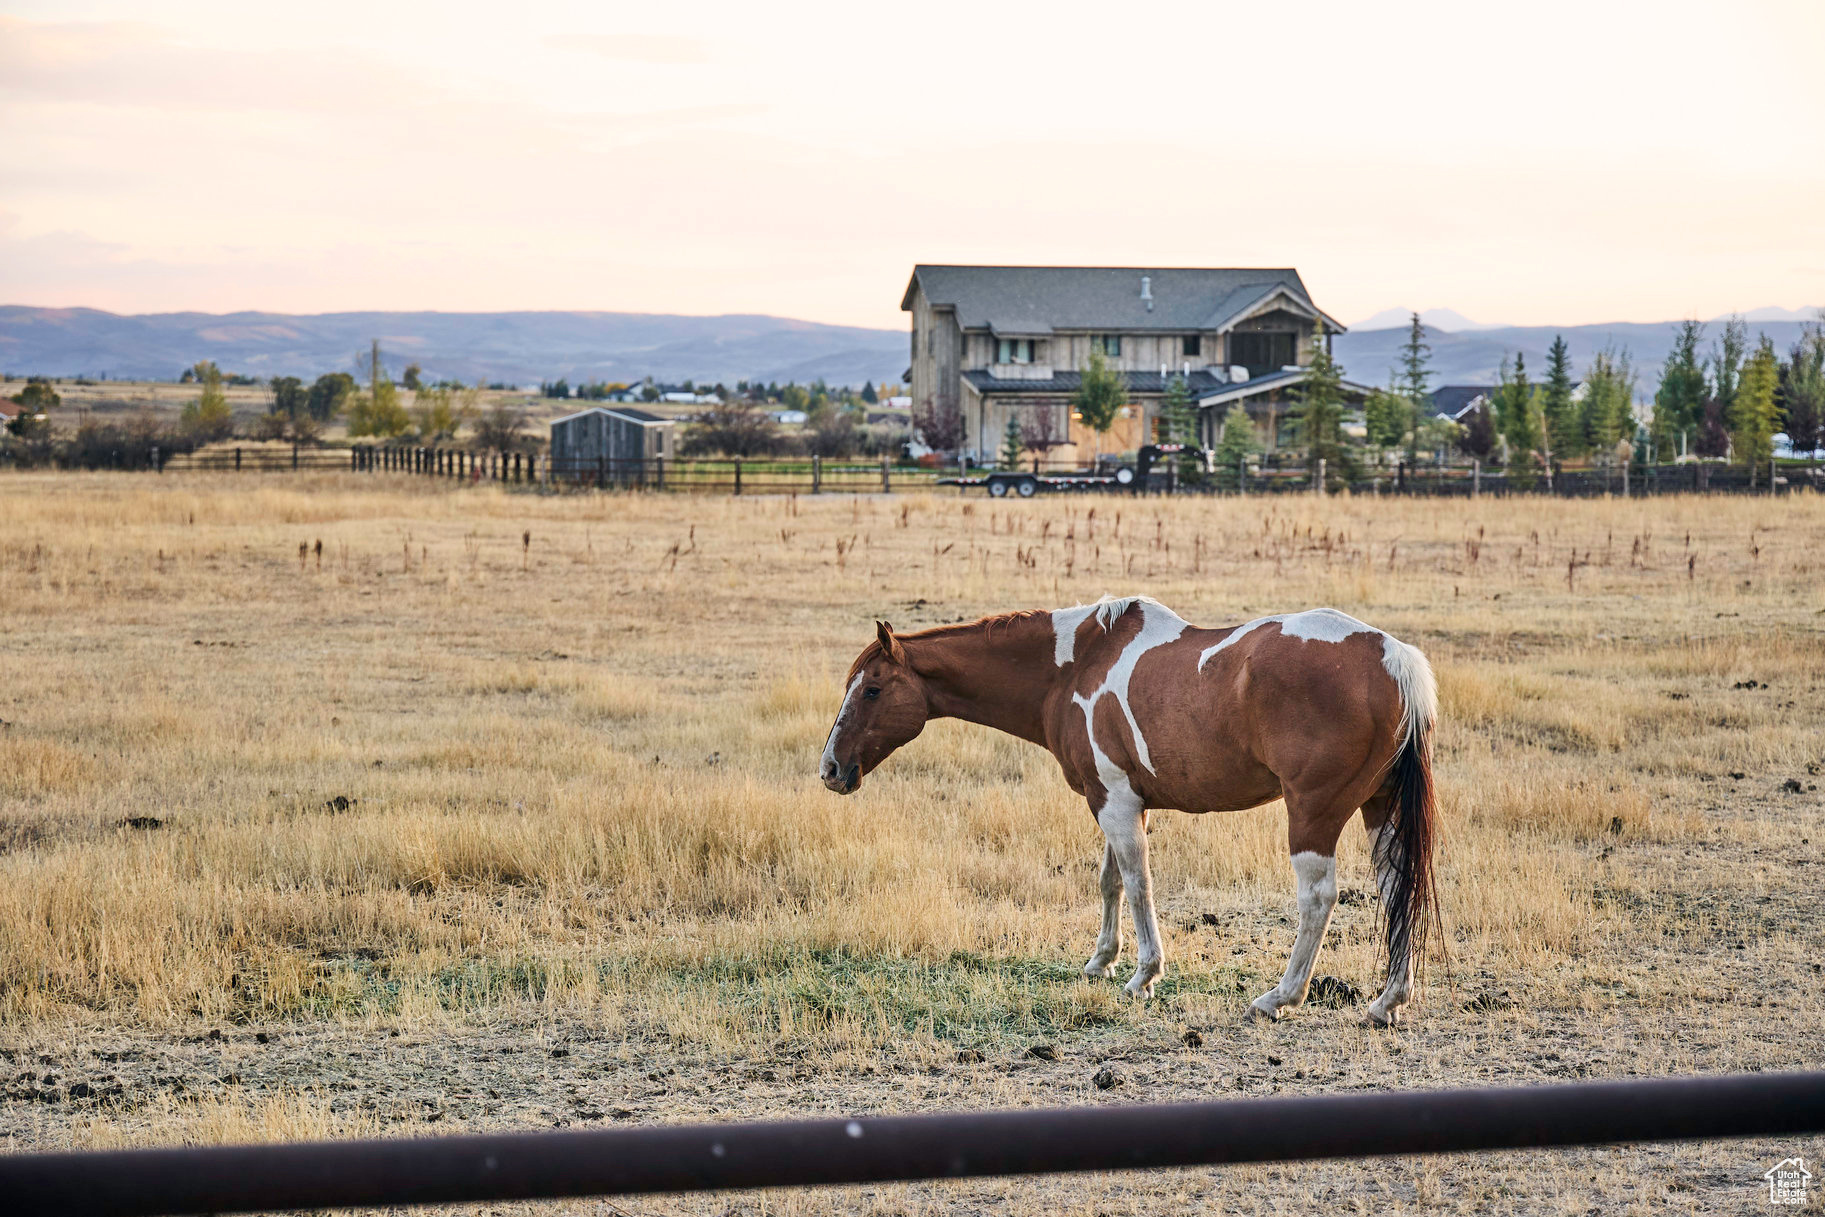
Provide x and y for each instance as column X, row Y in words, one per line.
column 883, row 708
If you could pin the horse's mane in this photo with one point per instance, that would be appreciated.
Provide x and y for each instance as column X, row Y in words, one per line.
column 1108, row 610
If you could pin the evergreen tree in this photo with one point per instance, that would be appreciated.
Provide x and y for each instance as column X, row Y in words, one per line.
column 1178, row 417
column 1606, row 414
column 1101, row 392
column 1013, row 444
column 1753, row 416
column 1679, row 401
column 1727, row 363
column 868, row 393
column 1564, row 429
column 1321, row 413
column 1802, row 392
column 413, row 377
column 1415, row 362
column 1237, row 443
column 1517, row 421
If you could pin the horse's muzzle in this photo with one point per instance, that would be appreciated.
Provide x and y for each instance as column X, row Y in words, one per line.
column 841, row 780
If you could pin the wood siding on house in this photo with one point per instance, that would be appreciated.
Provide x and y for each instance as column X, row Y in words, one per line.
column 605, row 435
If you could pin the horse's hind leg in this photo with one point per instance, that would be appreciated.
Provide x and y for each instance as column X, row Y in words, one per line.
column 1313, row 830
column 1378, row 819
column 1109, row 942
column 1124, row 824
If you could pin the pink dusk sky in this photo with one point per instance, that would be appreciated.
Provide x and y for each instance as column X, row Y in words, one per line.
column 1542, row 163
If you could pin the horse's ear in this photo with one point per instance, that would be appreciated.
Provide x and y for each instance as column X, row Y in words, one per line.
column 890, row 646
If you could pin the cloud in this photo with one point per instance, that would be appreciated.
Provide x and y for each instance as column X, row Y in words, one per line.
column 636, row 48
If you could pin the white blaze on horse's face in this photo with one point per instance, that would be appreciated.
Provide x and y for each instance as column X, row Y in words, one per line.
column 883, row 708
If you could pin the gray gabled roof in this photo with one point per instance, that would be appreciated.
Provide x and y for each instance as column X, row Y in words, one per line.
column 642, row 417
column 1023, row 299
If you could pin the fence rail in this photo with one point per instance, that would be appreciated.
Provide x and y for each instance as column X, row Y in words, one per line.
column 525, row 1166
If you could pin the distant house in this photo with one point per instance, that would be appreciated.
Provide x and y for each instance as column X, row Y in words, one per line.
column 1006, row 342
column 790, row 418
column 606, row 435
column 1458, row 402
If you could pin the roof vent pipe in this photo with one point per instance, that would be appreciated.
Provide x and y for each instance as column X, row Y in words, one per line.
column 1147, row 291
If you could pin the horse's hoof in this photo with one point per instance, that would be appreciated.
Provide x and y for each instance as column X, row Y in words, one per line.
column 1094, row 972
column 1142, row 993
column 1257, row 1014
column 1381, row 1022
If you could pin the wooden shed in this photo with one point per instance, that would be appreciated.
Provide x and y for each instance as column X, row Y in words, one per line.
column 610, row 440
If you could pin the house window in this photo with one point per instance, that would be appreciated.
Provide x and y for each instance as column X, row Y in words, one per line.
column 1194, row 346
column 1013, row 350
column 1262, row 353
column 1108, row 344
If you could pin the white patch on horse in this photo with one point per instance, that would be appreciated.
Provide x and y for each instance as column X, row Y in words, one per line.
column 1066, row 620
column 1317, row 877
column 1312, row 625
column 1159, row 626
column 829, row 757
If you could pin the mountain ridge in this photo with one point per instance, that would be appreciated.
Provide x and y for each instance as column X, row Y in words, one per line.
column 524, row 347
column 519, row 347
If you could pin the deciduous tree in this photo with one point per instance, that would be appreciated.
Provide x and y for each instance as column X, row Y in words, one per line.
column 1101, row 393
column 1754, row 417
column 207, row 418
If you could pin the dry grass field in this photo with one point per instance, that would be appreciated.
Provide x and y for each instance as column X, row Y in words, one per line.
column 500, row 810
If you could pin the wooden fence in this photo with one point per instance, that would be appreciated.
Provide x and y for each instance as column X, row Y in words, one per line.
column 817, row 475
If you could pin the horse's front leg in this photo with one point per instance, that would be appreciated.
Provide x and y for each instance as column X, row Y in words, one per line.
column 1109, row 941
column 1124, row 825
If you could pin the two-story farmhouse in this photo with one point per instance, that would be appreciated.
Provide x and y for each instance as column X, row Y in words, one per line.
column 1001, row 340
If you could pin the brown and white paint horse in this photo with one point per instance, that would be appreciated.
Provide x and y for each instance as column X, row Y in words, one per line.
column 1144, row 710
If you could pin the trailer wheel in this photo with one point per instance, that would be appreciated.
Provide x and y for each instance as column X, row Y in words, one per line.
column 1027, row 486
column 1124, row 476
column 998, row 488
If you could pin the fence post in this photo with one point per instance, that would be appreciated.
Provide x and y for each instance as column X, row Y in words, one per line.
column 886, row 486
column 659, row 472
column 601, row 471
column 1400, row 475
column 294, row 456
column 1771, row 475
column 237, row 460
column 817, row 474
column 1241, row 475
column 156, row 467
column 738, row 475
column 1476, row 477
column 1318, row 479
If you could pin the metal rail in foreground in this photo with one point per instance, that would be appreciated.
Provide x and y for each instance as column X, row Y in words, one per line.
column 716, row 1157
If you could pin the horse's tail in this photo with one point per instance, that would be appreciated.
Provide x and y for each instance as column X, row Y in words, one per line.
column 1409, row 894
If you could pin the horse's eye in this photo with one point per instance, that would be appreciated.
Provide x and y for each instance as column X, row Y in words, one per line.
column 871, row 693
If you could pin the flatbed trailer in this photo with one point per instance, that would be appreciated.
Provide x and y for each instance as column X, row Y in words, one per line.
column 1026, row 485
column 1120, row 477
